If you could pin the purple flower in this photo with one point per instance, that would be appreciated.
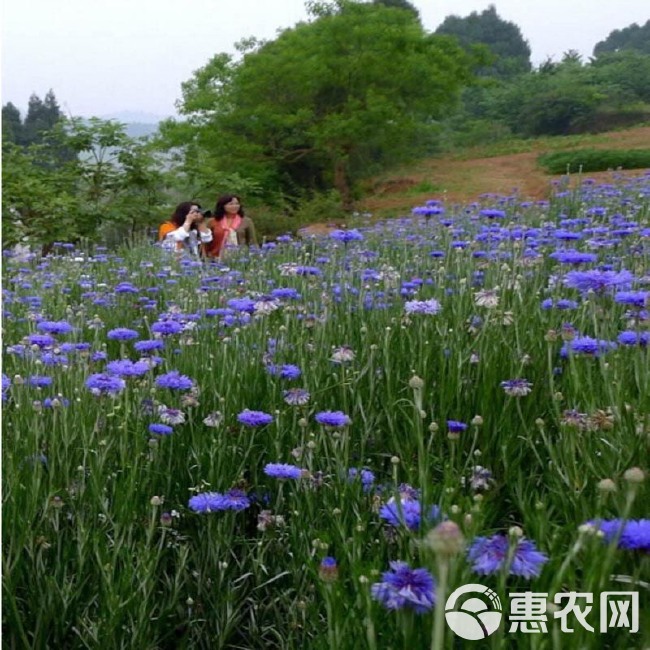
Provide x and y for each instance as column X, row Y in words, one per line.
column 346, row 236
column 282, row 471
column 122, row 334
column 407, row 512
column 296, row 396
column 105, row 384
column 598, row 281
column 634, row 298
column 41, row 340
column 174, row 381
column 632, row 535
column 429, row 307
column 366, row 476
column 573, row 257
column 489, row 555
column 127, row 368
column 333, row 419
column 167, row 327
column 492, row 213
column 40, row 381
column 285, row 293
column 160, row 429
column 328, row 570
column 215, row 501
column 242, row 304
column 54, row 327
column 148, row 345
column 453, row 426
column 516, row 387
column 634, row 338
column 586, row 345
column 403, row 587
column 254, row 418
column 287, row 371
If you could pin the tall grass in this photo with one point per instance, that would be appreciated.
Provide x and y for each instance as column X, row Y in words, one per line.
column 100, row 548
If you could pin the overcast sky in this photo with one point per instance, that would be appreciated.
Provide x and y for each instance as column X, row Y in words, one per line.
column 105, row 56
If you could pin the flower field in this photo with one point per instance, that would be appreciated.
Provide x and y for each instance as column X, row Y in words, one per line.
column 315, row 443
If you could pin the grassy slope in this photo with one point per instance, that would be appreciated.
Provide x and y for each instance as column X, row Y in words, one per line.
column 503, row 168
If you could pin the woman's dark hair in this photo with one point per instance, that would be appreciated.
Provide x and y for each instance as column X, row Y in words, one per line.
column 181, row 211
column 220, row 208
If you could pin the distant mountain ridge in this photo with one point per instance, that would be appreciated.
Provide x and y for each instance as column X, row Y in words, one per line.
column 138, row 123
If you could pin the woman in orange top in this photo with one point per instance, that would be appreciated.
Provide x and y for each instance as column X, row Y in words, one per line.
column 185, row 230
column 230, row 227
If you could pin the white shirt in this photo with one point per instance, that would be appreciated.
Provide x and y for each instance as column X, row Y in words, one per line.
column 190, row 240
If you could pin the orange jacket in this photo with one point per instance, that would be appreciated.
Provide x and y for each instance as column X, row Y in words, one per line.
column 164, row 230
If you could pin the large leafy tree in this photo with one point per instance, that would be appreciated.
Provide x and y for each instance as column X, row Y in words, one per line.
column 632, row 37
column 503, row 38
column 357, row 88
column 112, row 182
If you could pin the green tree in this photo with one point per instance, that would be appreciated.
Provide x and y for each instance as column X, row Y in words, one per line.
column 399, row 4
column 12, row 125
column 357, row 89
column 42, row 116
column 503, row 38
column 113, row 183
column 632, row 37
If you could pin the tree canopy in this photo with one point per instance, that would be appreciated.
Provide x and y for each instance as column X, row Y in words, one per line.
column 632, row 37
column 327, row 101
column 503, row 39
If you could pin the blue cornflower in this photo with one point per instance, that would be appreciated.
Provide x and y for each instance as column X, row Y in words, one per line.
column 516, row 387
column 40, row 381
column 148, row 345
column 105, row 384
column 254, row 418
column 127, row 368
column 633, row 535
column 242, row 304
column 586, row 345
column 346, row 236
column 285, row 293
column 296, row 396
column 328, row 570
column 332, row 419
column 634, row 338
column 287, row 371
column 489, row 555
column 215, row 501
column 282, row 471
column 6, row 385
column 174, row 381
column 598, row 281
column 634, row 298
column 492, row 213
column 366, row 476
column 160, row 429
column 573, row 257
column 56, row 402
column 454, row 426
column 429, row 307
column 403, row 587
column 408, row 512
column 54, row 327
column 98, row 356
column 126, row 287
column 167, row 327
column 122, row 334
column 41, row 340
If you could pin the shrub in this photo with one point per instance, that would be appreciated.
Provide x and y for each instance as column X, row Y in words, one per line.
column 594, row 160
